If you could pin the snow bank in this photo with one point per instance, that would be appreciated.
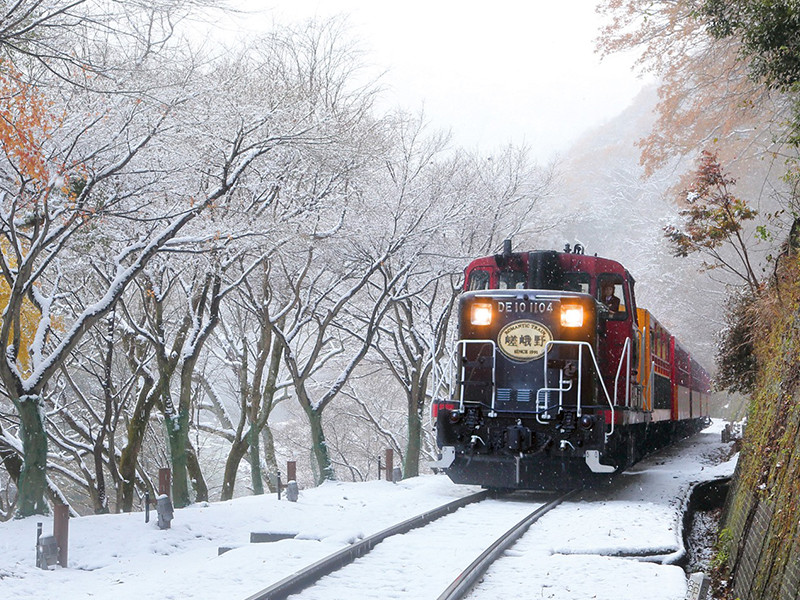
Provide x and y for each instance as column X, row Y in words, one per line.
column 120, row 556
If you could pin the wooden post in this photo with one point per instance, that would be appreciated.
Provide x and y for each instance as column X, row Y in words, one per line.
column 164, row 482
column 61, row 532
column 389, row 463
column 38, row 537
column 291, row 471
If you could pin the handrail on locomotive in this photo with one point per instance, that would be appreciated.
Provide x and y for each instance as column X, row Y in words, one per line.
column 581, row 346
column 462, row 359
column 625, row 358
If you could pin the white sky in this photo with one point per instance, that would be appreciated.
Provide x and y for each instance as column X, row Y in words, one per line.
column 493, row 73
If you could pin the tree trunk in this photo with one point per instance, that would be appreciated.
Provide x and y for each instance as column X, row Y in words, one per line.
column 10, row 459
column 235, row 455
column 178, row 434
column 414, row 444
column 416, row 407
column 129, row 457
column 32, row 484
column 101, row 500
column 255, row 460
column 196, row 474
column 319, row 447
column 270, row 462
column 184, row 460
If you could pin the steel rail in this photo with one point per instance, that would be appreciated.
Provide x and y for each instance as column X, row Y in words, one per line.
column 309, row 575
column 470, row 576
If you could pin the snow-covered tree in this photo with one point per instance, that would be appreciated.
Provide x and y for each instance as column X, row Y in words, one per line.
column 252, row 358
column 119, row 172
column 469, row 203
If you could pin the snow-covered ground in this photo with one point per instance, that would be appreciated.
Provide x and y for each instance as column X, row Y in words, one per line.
column 579, row 552
column 615, row 544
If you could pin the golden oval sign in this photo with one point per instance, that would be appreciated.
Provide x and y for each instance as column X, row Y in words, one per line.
column 523, row 340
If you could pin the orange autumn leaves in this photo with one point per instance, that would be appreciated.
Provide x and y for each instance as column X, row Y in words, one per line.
column 29, row 317
column 26, row 124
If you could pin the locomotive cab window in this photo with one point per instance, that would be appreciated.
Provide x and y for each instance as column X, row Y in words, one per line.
column 478, row 280
column 577, row 282
column 611, row 292
column 512, row 280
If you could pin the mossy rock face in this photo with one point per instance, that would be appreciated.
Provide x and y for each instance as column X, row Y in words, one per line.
column 762, row 513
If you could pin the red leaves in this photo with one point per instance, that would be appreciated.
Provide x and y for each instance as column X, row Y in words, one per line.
column 714, row 214
column 714, row 217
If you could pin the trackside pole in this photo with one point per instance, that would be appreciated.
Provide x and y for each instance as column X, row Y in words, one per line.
column 291, row 470
column 164, row 508
column 61, row 532
column 389, row 464
column 164, row 482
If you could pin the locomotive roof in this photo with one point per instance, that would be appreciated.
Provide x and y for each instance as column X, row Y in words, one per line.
column 567, row 260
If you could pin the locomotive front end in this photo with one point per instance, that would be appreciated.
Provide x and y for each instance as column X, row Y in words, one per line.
column 529, row 408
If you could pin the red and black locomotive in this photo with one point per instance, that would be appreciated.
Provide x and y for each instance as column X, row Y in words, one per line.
column 559, row 379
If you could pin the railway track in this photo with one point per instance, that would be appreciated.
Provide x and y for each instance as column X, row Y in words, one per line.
column 306, row 577
column 413, row 558
column 462, row 585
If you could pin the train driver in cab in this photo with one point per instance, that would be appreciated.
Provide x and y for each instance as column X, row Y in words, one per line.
column 608, row 298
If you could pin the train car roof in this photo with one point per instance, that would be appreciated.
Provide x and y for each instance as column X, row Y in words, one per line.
column 567, row 260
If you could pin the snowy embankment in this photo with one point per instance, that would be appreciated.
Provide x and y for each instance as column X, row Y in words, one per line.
column 615, row 544
column 120, row 556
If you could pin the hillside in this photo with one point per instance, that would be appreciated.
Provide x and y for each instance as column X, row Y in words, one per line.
column 613, row 210
column 759, row 545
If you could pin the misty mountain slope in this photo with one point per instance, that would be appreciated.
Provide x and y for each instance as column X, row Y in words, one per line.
column 614, row 212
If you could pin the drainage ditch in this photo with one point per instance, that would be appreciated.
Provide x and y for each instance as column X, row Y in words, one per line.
column 701, row 524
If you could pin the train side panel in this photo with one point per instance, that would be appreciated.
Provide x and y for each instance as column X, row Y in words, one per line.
column 655, row 367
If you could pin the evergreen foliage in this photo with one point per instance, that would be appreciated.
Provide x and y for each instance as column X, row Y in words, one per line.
column 736, row 362
column 770, row 35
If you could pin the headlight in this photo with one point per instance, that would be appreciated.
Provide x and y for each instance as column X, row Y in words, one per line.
column 571, row 316
column 481, row 314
